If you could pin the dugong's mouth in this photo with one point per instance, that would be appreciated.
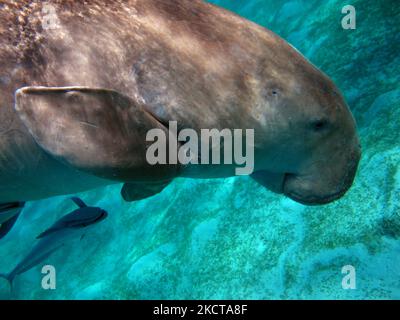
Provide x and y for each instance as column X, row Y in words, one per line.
column 317, row 190
column 314, row 200
column 302, row 189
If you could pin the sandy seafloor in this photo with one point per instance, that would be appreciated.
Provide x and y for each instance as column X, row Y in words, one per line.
column 231, row 238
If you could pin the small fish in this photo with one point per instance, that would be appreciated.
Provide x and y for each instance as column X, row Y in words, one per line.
column 71, row 226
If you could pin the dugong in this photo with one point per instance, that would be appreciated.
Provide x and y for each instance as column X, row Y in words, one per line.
column 82, row 82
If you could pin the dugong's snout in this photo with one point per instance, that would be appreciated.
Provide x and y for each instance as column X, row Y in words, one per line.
column 321, row 174
column 310, row 149
column 324, row 183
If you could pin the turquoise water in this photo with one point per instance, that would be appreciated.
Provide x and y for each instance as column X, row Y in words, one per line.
column 233, row 239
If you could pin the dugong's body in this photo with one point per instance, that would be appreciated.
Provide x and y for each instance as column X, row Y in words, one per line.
column 138, row 64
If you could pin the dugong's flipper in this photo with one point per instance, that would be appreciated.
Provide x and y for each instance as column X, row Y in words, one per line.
column 99, row 131
column 9, row 214
column 137, row 191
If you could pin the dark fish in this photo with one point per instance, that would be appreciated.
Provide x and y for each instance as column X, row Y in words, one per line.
column 9, row 213
column 71, row 226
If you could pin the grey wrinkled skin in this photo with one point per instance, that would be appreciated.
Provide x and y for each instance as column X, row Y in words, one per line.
column 186, row 61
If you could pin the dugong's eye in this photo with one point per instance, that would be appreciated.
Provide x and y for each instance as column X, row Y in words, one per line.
column 271, row 93
column 319, row 125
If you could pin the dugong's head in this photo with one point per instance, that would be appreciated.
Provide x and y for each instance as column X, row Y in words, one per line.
column 306, row 144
